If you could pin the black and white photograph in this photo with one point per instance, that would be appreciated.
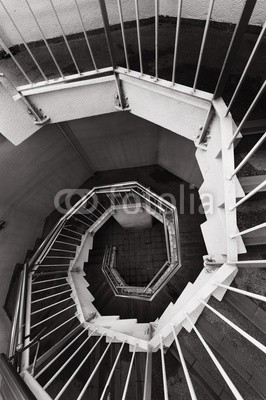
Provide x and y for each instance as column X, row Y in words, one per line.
column 133, row 199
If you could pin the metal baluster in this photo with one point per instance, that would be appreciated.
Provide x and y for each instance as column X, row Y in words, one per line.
column 250, row 338
column 183, row 363
column 249, row 195
column 250, row 153
column 67, row 362
column 86, row 37
column 253, row 104
column 64, row 36
column 203, row 43
column 178, row 23
column 138, row 35
column 44, row 39
column 112, row 371
column 216, row 362
column 4, row 46
column 165, row 389
column 61, row 352
column 24, row 42
column 156, row 37
column 251, row 58
column 94, row 371
column 243, row 292
column 129, row 373
column 123, row 32
column 254, row 228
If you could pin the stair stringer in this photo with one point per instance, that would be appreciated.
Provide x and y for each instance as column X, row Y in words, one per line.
column 204, row 287
column 211, row 163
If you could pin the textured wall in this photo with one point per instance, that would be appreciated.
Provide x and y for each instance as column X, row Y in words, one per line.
column 176, row 154
column 117, row 140
column 225, row 11
column 68, row 16
column 30, row 175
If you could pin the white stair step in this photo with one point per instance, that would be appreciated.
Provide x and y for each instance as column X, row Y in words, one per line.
column 214, row 184
column 215, row 236
column 165, row 317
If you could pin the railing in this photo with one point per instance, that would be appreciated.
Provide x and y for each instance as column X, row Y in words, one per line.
column 166, row 214
column 230, row 57
column 214, row 279
column 21, row 343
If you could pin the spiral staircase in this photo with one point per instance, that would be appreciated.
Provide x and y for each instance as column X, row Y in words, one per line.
column 79, row 330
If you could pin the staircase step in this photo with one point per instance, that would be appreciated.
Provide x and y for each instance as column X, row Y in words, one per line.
column 248, row 308
column 71, row 230
column 229, row 352
column 68, row 239
column 249, row 183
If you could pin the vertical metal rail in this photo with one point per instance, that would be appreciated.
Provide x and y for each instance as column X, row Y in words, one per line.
column 251, row 58
column 250, row 338
column 120, row 11
column 250, row 153
column 25, row 362
column 22, row 309
column 64, row 36
column 253, row 104
column 18, row 302
column 24, row 42
column 107, row 31
column 165, row 389
column 129, row 374
column 44, row 39
column 112, row 371
column 4, row 46
column 138, row 35
column 183, row 363
column 166, row 239
column 243, row 292
column 234, row 47
column 249, row 195
column 156, row 37
column 216, row 362
column 207, row 24
column 177, row 35
column 68, row 360
column 86, row 36
column 255, row 228
column 94, row 371
column 148, row 376
column 60, row 352
column 111, row 49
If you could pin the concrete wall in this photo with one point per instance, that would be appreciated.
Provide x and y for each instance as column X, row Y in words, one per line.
column 176, row 154
column 117, row 140
column 224, row 11
column 30, row 175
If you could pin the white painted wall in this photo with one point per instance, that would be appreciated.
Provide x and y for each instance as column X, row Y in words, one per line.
column 117, row 140
column 176, row 155
column 30, row 175
column 224, row 11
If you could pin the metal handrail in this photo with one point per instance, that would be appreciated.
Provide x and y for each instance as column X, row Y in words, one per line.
column 46, row 244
